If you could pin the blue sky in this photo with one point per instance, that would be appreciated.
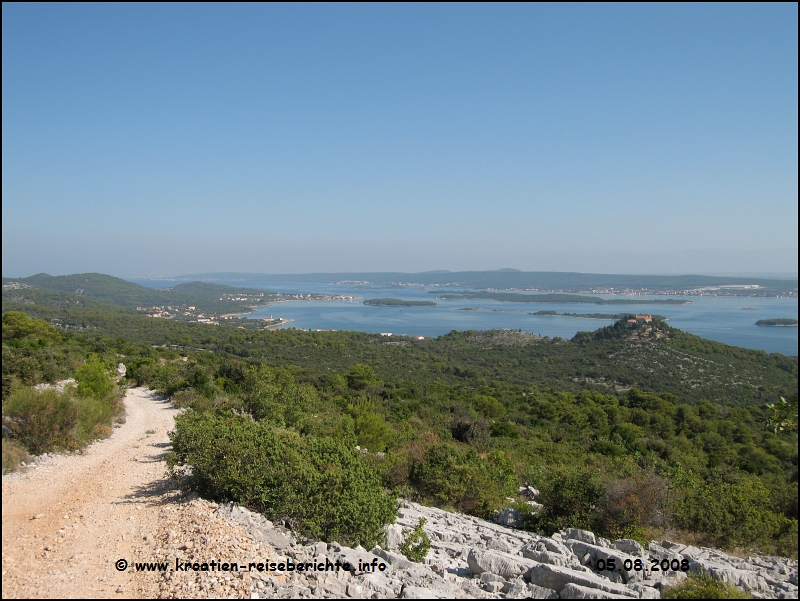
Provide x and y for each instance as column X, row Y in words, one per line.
column 167, row 139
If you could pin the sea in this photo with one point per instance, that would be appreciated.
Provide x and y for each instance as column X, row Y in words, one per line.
column 728, row 319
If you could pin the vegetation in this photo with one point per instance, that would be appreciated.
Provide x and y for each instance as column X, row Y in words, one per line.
column 13, row 454
column 783, row 321
column 682, row 364
column 630, row 430
column 49, row 419
column 115, row 291
column 590, row 315
column 703, row 586
column 782, row 415
column 396, row 302
column 318, row 485
column 416, row 543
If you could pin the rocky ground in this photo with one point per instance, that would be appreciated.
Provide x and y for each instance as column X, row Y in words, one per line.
column 473, row 558
column 69, row 520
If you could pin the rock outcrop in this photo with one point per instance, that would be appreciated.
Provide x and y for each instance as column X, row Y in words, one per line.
column 474, row 558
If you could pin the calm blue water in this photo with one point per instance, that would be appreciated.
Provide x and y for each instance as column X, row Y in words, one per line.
column 718, row 318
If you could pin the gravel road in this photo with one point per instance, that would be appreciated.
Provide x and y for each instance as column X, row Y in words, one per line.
column 66, row 521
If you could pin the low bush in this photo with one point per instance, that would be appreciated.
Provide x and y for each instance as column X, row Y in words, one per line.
column 631, row 506
column 571, row 499
column 42, row 420
column 320, row 486
column 702, row 586
column 738, row 513
column 416, row 543
column 451, row 477
column 49, row 420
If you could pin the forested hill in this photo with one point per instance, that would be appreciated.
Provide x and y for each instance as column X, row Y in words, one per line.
column 116, row 291
column 682, row 364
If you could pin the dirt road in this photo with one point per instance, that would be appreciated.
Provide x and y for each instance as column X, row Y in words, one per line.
column 68, row 520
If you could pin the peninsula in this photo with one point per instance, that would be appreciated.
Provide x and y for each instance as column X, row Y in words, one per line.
column 517, row 297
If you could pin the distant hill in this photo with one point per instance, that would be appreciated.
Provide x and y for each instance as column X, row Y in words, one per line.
column 119, row 292
column 554, row 281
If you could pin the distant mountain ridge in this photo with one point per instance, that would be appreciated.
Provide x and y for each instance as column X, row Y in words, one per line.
column 513, row 279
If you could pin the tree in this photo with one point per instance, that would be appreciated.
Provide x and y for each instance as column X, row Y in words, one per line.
column 360, row 377
column 17, row 325
column 93, row 380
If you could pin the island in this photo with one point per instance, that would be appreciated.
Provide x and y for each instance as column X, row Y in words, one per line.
column 590, row 315
column 468, row 309
column 782, row 322
column 396, row 302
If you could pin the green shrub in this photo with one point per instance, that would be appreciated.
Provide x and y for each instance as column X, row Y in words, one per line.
column 42, row 421
column 94, row 419
column 372, row 431
column 93, row 381
column 275, row 396
column 320, row 486
column 732, row 513
column 571, row 499
column 702, row 586
column 450, row 477
column 506, row 429
column 184, row 398
column 489, row 406
column 48, row 420
column 415, row 542
column 474, row 432
column 442, row 476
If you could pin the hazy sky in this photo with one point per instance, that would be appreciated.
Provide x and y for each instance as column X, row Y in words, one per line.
column 166, row 139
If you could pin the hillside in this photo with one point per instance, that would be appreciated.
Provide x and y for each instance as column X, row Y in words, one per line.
column 458, row 422
column 682, row 364
column 207, row 298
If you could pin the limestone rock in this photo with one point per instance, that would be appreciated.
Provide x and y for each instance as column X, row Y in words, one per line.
column 620, row 559
column 393, row 559
column 629, row 546
column 503, row 564
column 557, row 577
column 510, row 518
column 582, row 535
column 394, row 536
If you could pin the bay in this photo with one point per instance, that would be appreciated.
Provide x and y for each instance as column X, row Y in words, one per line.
column 724, row 319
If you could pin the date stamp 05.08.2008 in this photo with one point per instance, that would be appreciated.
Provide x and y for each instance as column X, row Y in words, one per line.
column 641, row 565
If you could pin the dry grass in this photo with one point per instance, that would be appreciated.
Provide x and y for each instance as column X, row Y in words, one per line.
column 13, row 454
